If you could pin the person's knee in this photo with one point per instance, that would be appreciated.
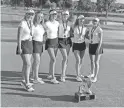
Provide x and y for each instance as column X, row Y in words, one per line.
column 96, row 63
column 92, row 61
column 53, row 59
column 78, row 61
column 37, row 61
column 65, row 59
column 27, row 64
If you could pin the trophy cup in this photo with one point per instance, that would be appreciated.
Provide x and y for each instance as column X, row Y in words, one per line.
column 84, row 92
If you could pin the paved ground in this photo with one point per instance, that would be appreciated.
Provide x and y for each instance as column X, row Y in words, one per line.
column 109, row 89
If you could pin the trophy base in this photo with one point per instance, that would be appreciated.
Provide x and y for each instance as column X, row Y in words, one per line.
column 84, row 96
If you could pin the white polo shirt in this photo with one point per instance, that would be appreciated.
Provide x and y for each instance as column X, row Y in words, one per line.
column 63, row 34
column 96, row 37
column 38, row 32
column 25, row 31
column 77, row 38
column 52, row 29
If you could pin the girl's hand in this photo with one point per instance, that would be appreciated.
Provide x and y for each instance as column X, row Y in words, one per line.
column 44, row 37
column 97, row 51
column 87, row 35
column 19, row 51
column 80, row 38
column 30, row 38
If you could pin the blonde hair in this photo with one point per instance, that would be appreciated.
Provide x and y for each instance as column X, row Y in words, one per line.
column 35, row 17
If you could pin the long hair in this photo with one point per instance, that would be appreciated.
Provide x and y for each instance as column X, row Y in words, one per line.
column 76, row 23
column 35, row 17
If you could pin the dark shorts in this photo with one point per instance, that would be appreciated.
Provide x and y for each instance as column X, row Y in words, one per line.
column 51, row 43
column 26, row 46
column 37, row 47
column 65, row 43
column 79, row 46
column 93, row 48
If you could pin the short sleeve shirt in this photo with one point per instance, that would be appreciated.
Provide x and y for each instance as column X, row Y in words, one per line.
column 62, row 33
column 95, row 38
column 38, row 32
column 77, row 37
column 25, row 30
column 52, row 29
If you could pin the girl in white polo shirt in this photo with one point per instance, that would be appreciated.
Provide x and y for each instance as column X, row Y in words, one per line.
column 65, row 42
column 52, row 43
column 25, row 47
column 95, row 48
column 79, row 45
column 38, row 32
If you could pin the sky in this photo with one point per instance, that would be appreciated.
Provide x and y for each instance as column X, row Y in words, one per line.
column 120, row 1
column 117, row 1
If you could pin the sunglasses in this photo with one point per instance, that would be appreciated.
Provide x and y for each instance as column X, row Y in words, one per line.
column 95, row 21
column 81, row 19
column 54, row 14
column 30, row 14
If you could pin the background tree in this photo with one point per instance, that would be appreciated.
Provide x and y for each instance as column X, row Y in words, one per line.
column 104, row 5
column 53, row 5
column 107, row 5
column 84, row 5
column 100, row 6
column 47, row 4
column 68, row 4
column 60, row 3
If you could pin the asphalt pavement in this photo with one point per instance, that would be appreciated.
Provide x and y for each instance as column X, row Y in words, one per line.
column 109, row 89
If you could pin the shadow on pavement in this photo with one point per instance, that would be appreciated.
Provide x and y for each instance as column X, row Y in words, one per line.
column 8, row 40
column 16, row 89
column 14, row 77
column 11, row 76
column 65, row 98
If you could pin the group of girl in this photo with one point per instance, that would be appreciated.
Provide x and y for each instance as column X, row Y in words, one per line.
column 62, row 35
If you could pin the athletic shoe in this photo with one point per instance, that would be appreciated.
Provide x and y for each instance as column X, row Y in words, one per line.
column 78, row 78
column 89, row 91
column 39, row 80
column 93, row 79
column 54, row 81
column 27, row 87
column 23, row 82
column 62, row 79
column 82, row 76
column 92, row 75
column 49, row 77
column 32, row 79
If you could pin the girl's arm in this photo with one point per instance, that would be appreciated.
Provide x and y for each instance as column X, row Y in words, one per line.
column 87, row 34
column 100, row 41
column 45, row 33
column 19, row 39
column 71, row 32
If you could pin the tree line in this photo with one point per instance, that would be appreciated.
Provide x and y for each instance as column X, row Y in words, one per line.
column 83, row 5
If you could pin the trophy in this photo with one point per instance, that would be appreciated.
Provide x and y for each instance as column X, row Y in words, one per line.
column 84, row 92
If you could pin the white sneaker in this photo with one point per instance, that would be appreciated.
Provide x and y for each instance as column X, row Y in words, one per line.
column 54, row 81
column 30, row 89
column 82, row 76
column 92, row 75
column 32, row 79
column 23, row 82
column 27, row 87
column 93, row 79
column 78, row 78
column 49, row 77
column 39, row 80
column 62, row 79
